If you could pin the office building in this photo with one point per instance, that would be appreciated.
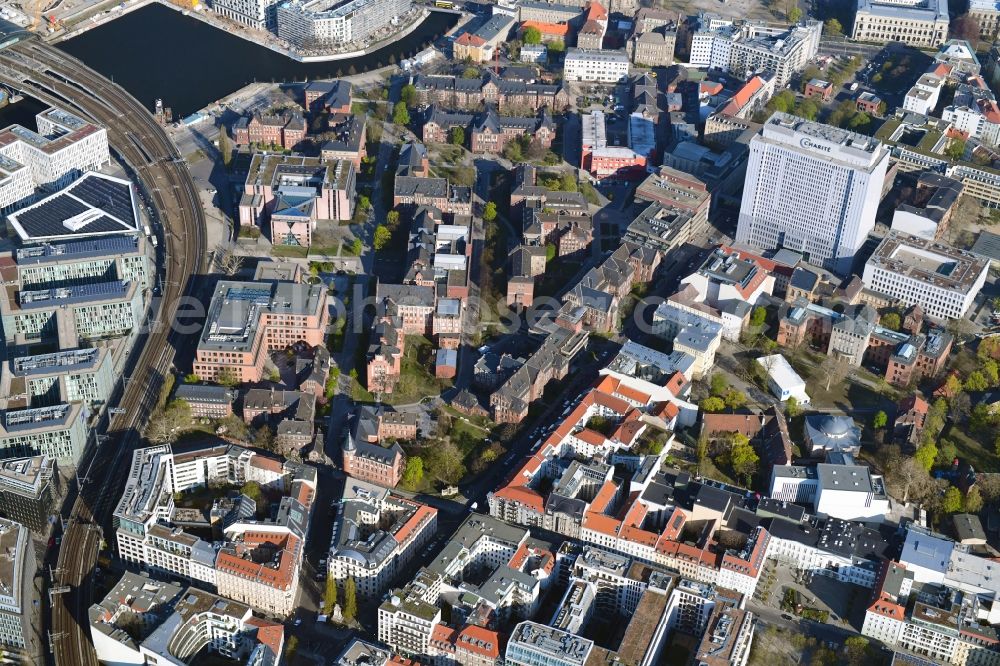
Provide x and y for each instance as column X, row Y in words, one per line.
column 248, row 320
column 813, row 189
column 290, row 194
column 17, row 573
column 93, row 206
column 534, row 644
column 256, row 14
column 58, row 432
column 62, row 149
column 596, row 65
column 26, row 491
column 124, row 257
column 321, row 24
column 919, row 23
column 943, row 280
column 76, row 375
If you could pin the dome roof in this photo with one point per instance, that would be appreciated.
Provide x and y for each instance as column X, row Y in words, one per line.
column 836, row 426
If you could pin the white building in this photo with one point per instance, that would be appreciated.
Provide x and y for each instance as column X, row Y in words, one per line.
column 941, row 279
column 813, row 189
column 598, row 65
column 920, row 23
column 258, row 560
column 63, row 147
column 782, row 379
column 320, row 24
column 980, row 119
column 17, row 572
column 749, row 48
column 923, row 97
column 693, row 331
column 58, row 431
column 850, row 492
column 258, row 14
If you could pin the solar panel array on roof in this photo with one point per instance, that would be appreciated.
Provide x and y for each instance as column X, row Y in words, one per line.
column 93, row 204
column 84, row 293
column 97, row 247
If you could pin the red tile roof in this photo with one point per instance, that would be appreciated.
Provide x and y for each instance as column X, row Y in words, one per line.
column 555, row 29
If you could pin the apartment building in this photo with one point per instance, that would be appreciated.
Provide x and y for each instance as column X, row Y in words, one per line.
column 17, row 571
column 796, row 168
column 375, row 536
column 64, row 147
column 596, row 65
column 321, row 24
column 258, row 560
column 248, row 320
column 256, row 14
column 746, row 48
column 515, row 576
column 919, row 23
column 58, row 431
column 942, row 279
column 149, row 621
column 290, row 194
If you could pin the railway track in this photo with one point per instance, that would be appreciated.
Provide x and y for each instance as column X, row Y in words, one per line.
column 163, row 179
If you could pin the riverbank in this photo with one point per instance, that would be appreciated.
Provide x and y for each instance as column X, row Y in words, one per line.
column 190, row 64
column 96, row 15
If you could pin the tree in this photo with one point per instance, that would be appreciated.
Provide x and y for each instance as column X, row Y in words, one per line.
column 392, row 219
column 227, row 260
column 743, row 458
column 532, row 35
column 952, row 501
column 880, row 420
column 225, row 146
column 263, row 438
column 955, row 149
column 330, row 594
column 444, row 461
column 965, row 27
column 382, row 237
column 891, row 320
column 400, row 115
column 168, row 423
column 234, row 427
column 712, row 404
column 556, row 46
column 350, row 610
column 550, row 252
column 991, row 371
column 904, row 473
column 413, row 475
column 192, row 378
column 227, row 377
column 471, row 72
column 291, row 649
column 719, row 384
column 792, row 407
column 252, row 490
column 701, row 452
column 835, row 369
column 794, row 14
column 364, row 203
column 759, row 316
column 806, row 109
column 489, row 212
column 457, row 136
column 357, row 247
column 408, row 94
column 783, row 101
column 976, row 382
column 735, row 399
column 925, row 455
column 833, row 27
column 973, row 500
column 856, row 649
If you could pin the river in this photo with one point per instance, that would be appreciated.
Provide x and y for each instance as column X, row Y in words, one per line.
column 157, row 52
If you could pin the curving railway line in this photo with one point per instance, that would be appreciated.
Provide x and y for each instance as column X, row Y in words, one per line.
column 166, row 186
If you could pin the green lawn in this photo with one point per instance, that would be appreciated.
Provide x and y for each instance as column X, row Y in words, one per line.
column 417, row 378
column 290, row 251
column 979, row 454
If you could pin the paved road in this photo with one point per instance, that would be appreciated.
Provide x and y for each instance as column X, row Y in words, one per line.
column 164, row 183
